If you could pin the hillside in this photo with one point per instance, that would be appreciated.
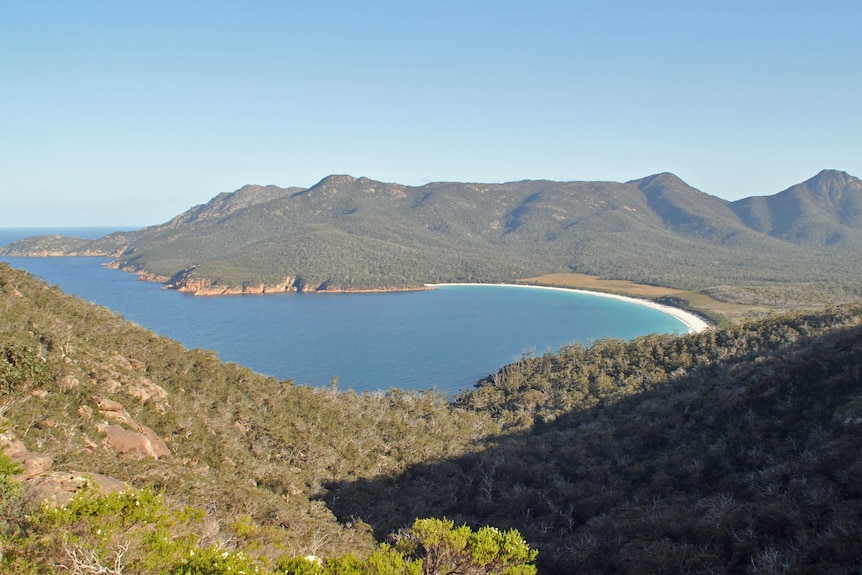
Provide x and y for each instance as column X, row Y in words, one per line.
column 347, row 233
column 89, row 398
column 825, row 210
column 729, row 451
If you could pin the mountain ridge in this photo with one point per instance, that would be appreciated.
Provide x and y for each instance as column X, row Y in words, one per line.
column 356, row 234
column 815, row 210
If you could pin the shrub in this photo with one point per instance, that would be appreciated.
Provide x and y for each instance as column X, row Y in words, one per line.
column 444, row 548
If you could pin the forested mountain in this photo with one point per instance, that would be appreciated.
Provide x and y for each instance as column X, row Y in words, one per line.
column 360, row 234
column 734, row 450
column 825, row 210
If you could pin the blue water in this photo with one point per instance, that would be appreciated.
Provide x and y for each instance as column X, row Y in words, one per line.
column 444, row 339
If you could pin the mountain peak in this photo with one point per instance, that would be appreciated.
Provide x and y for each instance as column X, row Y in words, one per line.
column 335, row 180
column 244, row 197
column 662, row 182
column 659, row 178
column 832, row 183
column 830, row 189
column 818, row 210
column 828, row 173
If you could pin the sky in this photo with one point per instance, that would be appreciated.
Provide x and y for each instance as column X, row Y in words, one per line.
column 128, row 113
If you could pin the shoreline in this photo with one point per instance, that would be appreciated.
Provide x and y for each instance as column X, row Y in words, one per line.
column 693, row 322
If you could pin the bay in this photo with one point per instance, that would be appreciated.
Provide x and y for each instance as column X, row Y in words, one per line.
column 444, row 339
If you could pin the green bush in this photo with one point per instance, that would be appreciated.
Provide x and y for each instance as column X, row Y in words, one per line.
column 444, row 548
column 19, row 366
column 215, row 561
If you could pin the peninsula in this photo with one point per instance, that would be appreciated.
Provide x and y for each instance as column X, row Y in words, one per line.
column 794, row 248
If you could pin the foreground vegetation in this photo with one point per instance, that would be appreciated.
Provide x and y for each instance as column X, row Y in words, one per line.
column 136, row 531
column 736, row 450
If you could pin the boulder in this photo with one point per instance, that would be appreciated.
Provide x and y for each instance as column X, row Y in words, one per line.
column 58, row 487
column 10, row 444
column 132, row 443
column 145, row 390
column 114, row 411
column 108, row 405
column 33, row 464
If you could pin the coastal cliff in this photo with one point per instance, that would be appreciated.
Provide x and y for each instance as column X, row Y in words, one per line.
column 188, row 281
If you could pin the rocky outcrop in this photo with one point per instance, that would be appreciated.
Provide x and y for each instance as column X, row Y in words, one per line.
column 136, row 444
column 142, row 274
column 129, row 438
column 188, row 281
column 144, row 390
column 56, row 488
column 33, row 463
column 136, row 384
column 123, row 436
column 10, row 445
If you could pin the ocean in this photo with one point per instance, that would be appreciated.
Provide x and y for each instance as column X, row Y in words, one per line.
column 444, row 339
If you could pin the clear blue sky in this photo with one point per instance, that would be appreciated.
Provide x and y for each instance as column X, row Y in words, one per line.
column 128, row 113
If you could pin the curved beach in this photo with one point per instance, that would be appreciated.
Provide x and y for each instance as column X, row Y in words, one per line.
column 694, row 323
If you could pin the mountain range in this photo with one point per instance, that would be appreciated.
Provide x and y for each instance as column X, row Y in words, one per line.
column 347, row 233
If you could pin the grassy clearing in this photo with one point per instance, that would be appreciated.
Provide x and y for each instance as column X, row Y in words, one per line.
column 696, row 301
column 595, row 283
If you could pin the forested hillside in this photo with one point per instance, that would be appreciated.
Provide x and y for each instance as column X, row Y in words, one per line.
column 735, row 450
column 731, row 451
column 816, row 212
column 800, row 245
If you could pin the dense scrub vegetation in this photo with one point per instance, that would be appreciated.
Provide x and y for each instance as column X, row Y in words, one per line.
column 137, row 531
column 243, row 445
column 735, row 450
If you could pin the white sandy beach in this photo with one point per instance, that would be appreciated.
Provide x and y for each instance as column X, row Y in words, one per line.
column 693, row 322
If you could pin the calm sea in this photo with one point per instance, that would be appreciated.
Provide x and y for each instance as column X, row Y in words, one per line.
column 444, row 339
